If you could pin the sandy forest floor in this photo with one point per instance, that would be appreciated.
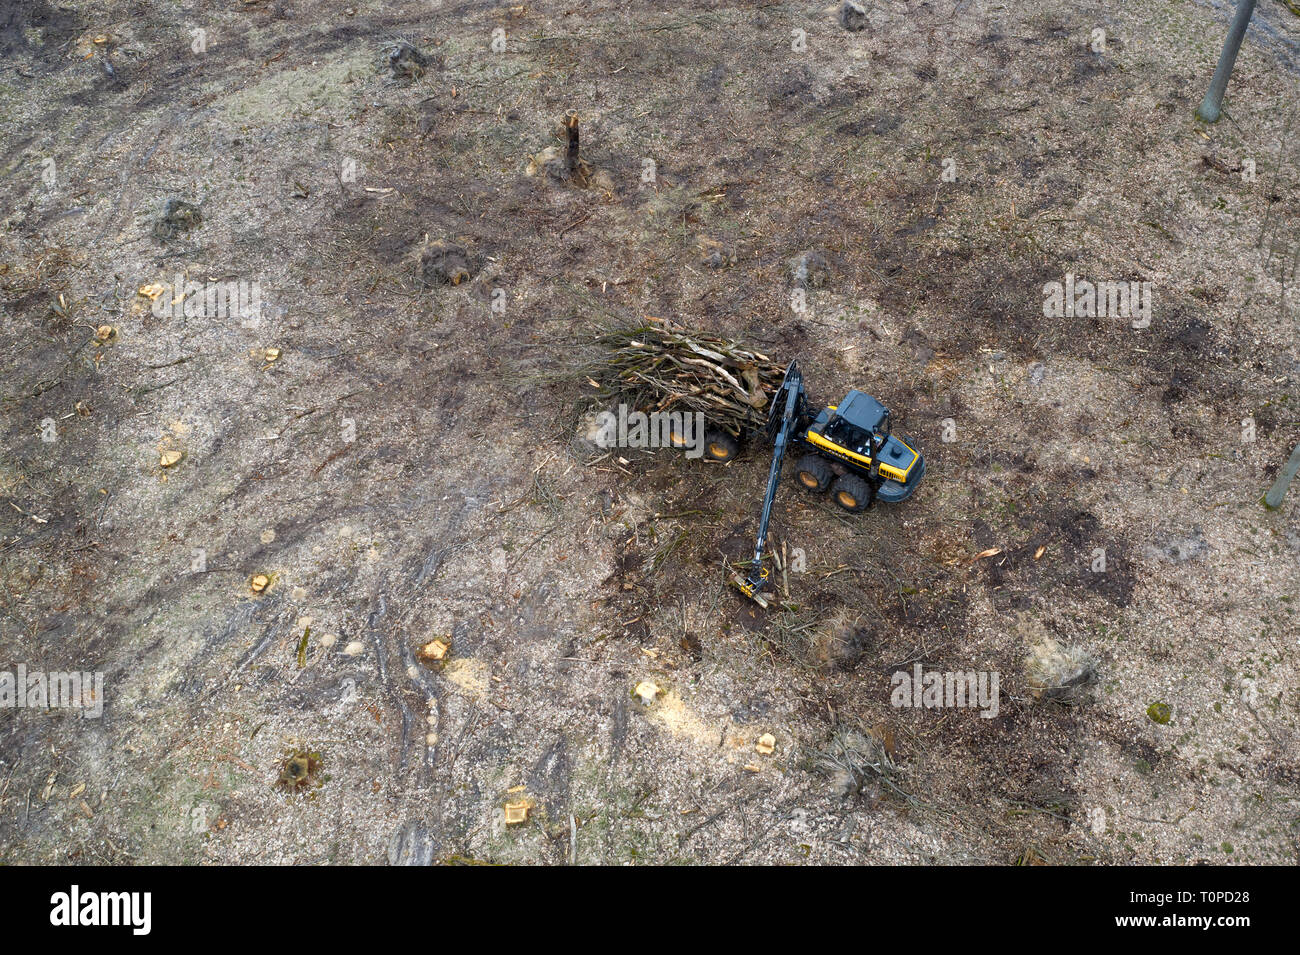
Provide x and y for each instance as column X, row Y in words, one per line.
column 400, row 474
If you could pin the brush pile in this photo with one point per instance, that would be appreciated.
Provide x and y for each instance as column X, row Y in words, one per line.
column 664, row 367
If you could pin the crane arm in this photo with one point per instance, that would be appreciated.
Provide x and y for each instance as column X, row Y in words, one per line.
column 788, row 406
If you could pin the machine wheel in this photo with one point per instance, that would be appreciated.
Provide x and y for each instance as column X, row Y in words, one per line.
column 851, row 492
column 813, row 474
column 675, row 436
column 719, row 446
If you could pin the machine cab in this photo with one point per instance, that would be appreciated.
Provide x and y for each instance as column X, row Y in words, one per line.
column 858, row 427
column 856, row 419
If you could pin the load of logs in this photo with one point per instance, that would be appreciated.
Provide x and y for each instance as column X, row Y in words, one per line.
column 660, row 366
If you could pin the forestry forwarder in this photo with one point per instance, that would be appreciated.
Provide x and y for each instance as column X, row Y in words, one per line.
column 848, row 450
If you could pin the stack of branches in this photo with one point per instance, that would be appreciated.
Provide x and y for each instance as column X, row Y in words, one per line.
column 659, row 366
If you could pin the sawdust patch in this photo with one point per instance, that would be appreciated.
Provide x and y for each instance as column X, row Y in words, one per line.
column 471, row 676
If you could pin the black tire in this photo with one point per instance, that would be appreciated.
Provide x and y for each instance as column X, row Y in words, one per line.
column 814, row 474
column 719, row 446
column 852, row 493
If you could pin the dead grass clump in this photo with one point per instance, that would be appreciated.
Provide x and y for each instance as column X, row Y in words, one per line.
column 406, row 61
column 852, row 16
column 857, row 761
column 838, row 642
column 445, row 263
column 1060, row 673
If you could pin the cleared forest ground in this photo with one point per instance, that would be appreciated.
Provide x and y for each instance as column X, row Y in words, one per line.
column 398, row 475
